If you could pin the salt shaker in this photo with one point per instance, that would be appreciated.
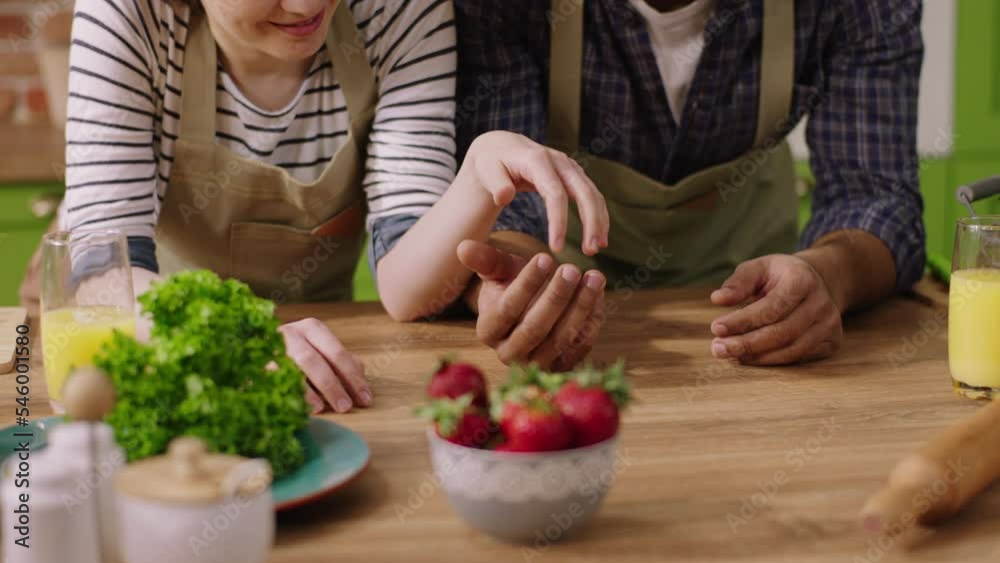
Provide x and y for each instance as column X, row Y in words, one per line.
column 67, row 492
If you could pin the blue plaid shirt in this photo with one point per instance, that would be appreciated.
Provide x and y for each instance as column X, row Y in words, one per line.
column 856, row 75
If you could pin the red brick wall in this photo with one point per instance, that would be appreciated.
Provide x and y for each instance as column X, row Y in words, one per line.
column 26, row 25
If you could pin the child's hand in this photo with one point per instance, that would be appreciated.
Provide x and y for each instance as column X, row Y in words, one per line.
column 506, row 163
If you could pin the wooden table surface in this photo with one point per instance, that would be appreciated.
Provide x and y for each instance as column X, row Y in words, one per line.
column 704, row 437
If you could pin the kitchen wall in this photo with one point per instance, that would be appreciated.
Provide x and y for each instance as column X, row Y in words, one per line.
column 26, row 29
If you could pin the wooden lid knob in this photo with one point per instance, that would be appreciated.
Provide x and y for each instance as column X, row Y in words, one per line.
column 88, row 395
column 187, row 453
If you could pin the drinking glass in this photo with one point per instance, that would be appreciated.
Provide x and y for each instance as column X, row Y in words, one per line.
column 974, row 308
column 86, row 295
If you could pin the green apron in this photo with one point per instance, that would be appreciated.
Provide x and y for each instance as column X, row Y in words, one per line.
column 251, row 221
column 696, row 231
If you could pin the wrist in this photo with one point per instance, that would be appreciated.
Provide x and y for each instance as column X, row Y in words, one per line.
column 473, row 193
column 857, row 267
column 824, row 261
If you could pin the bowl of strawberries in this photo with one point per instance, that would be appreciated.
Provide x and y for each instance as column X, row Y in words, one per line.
column 532, row 460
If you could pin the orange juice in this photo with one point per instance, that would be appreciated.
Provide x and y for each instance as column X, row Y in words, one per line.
column 974, row 331
column 71, row 337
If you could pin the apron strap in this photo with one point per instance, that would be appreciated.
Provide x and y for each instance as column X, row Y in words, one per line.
column 353, row 71
column 777, row 70
column 199, row 81
column 355, row 74
column 566, row 76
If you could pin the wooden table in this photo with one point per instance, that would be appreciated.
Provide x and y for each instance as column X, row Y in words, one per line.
column 704, row 435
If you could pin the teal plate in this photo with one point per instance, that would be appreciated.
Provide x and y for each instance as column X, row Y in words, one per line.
column 335, row 456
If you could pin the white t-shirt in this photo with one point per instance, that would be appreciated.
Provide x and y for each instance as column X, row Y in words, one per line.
column 678, row 39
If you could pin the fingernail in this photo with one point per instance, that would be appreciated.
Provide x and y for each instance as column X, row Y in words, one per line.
column 720, row 329
column 317, row 407
column 343, row 405
column 366, row 398
column 544, row 263
column 719, row 350
column 571, row 274
column 595, row 281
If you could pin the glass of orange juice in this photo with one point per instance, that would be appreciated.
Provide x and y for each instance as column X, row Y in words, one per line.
column 86, row 294
column 974, row 308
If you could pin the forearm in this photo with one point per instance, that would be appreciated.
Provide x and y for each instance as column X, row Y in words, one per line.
column 422, row 274
column 856, row 266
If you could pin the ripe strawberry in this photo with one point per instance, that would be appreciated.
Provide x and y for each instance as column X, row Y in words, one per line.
column 589, row 411
column 452, row 380
column 459, row 421
column 535, row 425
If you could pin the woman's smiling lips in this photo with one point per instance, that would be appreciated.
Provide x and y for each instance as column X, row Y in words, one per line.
column 303, row 28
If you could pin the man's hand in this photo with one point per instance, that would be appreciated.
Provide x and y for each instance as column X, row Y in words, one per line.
column 792, row 316
column 335, row 376
column 534, row 310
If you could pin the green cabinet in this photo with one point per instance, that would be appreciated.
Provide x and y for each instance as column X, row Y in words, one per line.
column 25, row 214
column 976, row 150
column 977, row 79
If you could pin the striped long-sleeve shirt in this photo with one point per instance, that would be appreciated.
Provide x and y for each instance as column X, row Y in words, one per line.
column 126, row 69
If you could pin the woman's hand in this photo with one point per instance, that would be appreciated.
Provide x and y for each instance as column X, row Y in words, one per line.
column 336, row 377
column 506, row 163
column 793, row 316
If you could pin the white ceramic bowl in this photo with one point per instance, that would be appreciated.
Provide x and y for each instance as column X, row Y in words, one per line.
column 525, row 497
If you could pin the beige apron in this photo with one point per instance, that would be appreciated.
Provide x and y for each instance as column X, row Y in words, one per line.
column 696, row 231
column 252, row 221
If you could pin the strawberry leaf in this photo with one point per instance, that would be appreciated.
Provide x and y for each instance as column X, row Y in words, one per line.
column 446, row 413
column 612, row 380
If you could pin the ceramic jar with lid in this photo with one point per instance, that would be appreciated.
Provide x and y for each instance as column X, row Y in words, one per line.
column 192, row 506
